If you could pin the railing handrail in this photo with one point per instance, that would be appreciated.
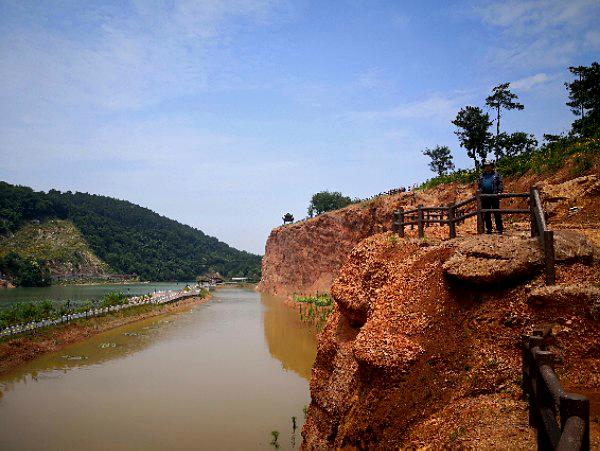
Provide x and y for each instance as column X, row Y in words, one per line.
column 454, row 214
column 548, row 400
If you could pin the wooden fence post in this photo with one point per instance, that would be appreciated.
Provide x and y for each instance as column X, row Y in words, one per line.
column 544, row 399
column 533, row 222
column 395, row 218
column 401, row 220
column 420, row 220
column 579, row 406
column 451, row 223
column 549, row 257
column 479, row 213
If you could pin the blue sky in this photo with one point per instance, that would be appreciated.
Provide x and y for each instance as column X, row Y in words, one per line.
column 225, row 114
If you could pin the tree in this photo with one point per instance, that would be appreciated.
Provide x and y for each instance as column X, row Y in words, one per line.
column 514, row 144
column 502, row 98
column 584, row 96
column 441, row 159
column 473, row 132
column 327, row 201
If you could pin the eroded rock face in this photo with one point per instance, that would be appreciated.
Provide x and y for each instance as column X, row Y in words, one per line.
column 571, row 246
column 569, row 193
column 405, row 348
column 306, row 256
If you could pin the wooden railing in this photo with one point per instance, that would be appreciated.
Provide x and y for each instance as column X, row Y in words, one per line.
column 562, row 419
column 456, row 213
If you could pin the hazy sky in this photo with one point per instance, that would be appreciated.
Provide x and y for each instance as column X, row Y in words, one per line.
column 225, row 114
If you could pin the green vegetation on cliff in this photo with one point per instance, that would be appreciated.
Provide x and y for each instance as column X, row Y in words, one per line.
column 129, row 238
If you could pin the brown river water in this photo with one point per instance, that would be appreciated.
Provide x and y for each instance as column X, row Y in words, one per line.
column 220, row 376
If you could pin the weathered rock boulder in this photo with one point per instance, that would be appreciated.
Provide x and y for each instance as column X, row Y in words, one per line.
column 570, row 247
column 494, row 259
column 497, row 259
column 565, row 294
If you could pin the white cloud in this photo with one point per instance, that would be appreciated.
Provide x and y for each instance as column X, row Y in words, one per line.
column 537, row 15
column 527, row 83
column 435, row 106
column 125, row 59
column 540, row 33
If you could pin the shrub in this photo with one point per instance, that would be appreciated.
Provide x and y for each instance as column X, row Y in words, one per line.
column 112, row 299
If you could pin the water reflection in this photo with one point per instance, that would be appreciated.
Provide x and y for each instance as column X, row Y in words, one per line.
column 290, row 341
column 210, row 378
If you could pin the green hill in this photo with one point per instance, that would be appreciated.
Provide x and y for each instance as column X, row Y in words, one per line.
column 128, row 238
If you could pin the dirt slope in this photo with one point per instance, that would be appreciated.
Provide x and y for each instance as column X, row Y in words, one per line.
column 422, row 349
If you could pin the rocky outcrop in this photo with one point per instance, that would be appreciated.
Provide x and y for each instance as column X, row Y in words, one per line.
column 407, row 347
column 305, row 257
column 494, row 259
column 500, row 259
column 584, row 299
column 6, row 284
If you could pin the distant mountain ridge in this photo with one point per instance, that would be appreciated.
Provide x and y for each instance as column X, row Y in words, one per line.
column 128, row 238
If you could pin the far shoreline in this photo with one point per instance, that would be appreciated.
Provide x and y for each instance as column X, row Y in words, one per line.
column 19, row 350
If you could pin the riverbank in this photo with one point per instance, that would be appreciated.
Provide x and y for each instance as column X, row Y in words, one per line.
column 26, row 347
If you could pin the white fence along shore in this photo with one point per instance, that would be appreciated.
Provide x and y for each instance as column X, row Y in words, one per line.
column 161, row 297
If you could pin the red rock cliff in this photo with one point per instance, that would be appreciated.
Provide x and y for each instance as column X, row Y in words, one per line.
column 306, row 256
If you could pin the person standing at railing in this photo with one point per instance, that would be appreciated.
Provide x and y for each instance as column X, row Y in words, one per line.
column 490, row 182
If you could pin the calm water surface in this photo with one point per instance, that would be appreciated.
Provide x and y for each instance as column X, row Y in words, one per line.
column 221, row 376
column 81, row 293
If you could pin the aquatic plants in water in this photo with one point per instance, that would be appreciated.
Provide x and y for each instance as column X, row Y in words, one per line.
column 274, row 437
column 315, row 309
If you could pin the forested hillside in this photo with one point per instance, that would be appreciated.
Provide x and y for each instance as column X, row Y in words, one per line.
column 129, row 238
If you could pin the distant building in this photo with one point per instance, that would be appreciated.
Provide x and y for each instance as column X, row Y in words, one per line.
column 239, row 279
column 211, row 277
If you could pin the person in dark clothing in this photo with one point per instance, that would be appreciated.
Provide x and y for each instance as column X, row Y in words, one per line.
column 490, row 182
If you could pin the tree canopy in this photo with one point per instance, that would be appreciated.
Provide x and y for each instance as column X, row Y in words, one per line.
column 327, row 201
column 584, row 99
column 502, row 99
column 473, row 132
column 441, row 159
